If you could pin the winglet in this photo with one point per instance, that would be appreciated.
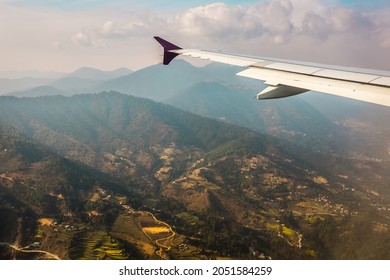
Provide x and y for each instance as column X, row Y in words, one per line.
column 168, row 56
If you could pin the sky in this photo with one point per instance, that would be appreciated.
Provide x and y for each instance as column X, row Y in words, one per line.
column 63, row 35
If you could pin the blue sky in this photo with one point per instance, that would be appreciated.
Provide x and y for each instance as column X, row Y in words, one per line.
column 62, row 35
column 372, row 3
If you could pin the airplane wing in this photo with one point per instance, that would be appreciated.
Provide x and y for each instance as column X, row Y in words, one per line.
column 286, row 78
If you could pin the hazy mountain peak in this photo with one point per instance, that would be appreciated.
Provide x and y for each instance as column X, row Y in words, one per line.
column 37, row 91
column 97, row 74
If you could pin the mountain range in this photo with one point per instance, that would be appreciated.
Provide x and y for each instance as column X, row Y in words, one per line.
column 79, row 81
column 113, row 176
column 317, row 120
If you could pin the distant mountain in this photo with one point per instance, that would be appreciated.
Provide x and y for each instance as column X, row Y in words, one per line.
column 157, row 82
column 339, row 108
column 38, row 91
column 215, row 91
column 21, row 84
column 83, row 80
column 90, row 124
column 95, row 74
column 320, row 121
column 363, row 125
column 212, row 99
column 202, row 91
column 74, row 85
column 160, row 83
column 105, row 122
column 100, row 119
column 292, row 119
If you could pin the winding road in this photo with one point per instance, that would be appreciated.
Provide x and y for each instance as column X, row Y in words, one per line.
column 53, row 256
column 162, row 242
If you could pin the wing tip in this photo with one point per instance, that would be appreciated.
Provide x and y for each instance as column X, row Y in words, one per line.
column 168, row 46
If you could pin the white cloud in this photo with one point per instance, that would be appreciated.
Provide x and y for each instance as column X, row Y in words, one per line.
column 294, row 29
column 216, row 19
column 111, row 29
column 315, row 26
column 228, row 22
column 86, row 40
column 81, row 39
column 343, row 19
column 275, row 16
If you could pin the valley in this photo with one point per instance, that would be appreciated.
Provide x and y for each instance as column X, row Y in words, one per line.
column 111, row 176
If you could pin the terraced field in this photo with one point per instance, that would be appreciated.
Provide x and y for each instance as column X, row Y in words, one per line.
column 95, row 246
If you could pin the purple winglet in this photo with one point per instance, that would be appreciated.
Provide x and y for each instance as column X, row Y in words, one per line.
column 168, row 56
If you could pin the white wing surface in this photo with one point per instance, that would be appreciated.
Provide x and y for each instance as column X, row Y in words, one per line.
column 285, row 78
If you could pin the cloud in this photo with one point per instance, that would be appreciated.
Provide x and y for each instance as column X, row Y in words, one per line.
column 111, row 29
column 228, row 22
column 322, row 31
column 282, row 22
column 276, row 16
column 294, row 29
column 85, row 40
column 276, row 20
column 216, row 19
column 81, row 39
column 315, row 26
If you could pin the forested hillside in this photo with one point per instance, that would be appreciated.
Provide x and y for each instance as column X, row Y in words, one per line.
column 112, row 176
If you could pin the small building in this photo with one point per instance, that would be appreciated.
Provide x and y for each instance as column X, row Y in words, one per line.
column 35, row 245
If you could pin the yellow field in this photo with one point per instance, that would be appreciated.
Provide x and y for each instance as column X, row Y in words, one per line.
column 313, row 219
column 95, row 197
column 288, row 232
column 377, row 227
column 312, row 208
column 320, row 180
column 149, row 249
column 39, row 233
column 46, row 222
column 164, row 157
column 311, row 253
column 273, row 226
column 94, row 213
column 189, row 218
column 98, row 245
column 156, row 230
